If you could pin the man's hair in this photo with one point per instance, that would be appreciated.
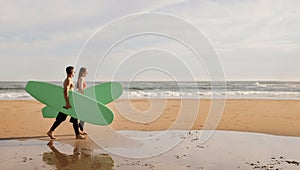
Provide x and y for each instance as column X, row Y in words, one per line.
column 69, row 69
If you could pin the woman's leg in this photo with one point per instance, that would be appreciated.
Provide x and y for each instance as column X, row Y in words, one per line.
column 81, row 124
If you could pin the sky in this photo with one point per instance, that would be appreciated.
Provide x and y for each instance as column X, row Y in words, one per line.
column 252, row 40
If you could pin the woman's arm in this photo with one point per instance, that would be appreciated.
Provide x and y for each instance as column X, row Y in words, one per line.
column 80, row 85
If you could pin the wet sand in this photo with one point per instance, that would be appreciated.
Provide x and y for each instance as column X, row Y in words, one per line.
column 23, row 141
column 225, row 150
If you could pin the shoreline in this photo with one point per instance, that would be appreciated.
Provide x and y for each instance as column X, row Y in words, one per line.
column 23, row 118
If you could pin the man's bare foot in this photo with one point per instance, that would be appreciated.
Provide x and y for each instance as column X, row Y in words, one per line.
column 50, row 135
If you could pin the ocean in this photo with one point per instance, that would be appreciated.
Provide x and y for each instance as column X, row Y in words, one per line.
column 277, row 90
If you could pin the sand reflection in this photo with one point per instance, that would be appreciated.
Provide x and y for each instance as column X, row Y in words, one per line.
column 82, row 158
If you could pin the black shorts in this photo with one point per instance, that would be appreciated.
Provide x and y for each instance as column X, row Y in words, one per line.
column 73, row 120
column 61, row 117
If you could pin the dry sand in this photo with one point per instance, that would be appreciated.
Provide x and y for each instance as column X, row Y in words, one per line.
column 23, row 118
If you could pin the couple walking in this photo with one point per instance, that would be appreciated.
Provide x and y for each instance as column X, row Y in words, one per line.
column 69, row 86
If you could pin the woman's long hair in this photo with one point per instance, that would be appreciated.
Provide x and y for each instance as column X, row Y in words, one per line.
column 81, row 71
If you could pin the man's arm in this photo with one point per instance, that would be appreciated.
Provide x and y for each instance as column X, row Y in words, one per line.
column 67, row 85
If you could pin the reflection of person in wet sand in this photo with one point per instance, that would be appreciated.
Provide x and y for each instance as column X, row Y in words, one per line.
column 81, row 159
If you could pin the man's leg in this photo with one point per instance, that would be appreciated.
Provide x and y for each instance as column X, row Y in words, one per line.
column 59, row 118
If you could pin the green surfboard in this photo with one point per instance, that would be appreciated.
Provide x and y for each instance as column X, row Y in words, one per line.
column 83, row 107
column 104, row 93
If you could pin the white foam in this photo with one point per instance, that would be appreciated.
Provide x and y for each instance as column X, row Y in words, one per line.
column 15, row 95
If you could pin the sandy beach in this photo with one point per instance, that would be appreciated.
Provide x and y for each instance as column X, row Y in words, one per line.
column 23, row 118
column 248, row 133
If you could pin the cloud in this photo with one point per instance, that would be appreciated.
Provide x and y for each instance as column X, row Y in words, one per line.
column 55, row 30
column 255, row 39
column 243, row 32
column 39, row 24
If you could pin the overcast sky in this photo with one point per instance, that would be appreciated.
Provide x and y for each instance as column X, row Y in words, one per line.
column 255, row 40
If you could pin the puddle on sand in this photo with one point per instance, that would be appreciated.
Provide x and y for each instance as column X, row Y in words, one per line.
column 41, row 154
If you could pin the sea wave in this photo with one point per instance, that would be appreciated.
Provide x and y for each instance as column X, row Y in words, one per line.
column 189, row 90
column 15, row 95
column 186, row 95
column 261, row 85
column 213, row 94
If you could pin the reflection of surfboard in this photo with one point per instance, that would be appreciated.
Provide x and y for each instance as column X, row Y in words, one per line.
column 83, row 108
column 104, row 93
